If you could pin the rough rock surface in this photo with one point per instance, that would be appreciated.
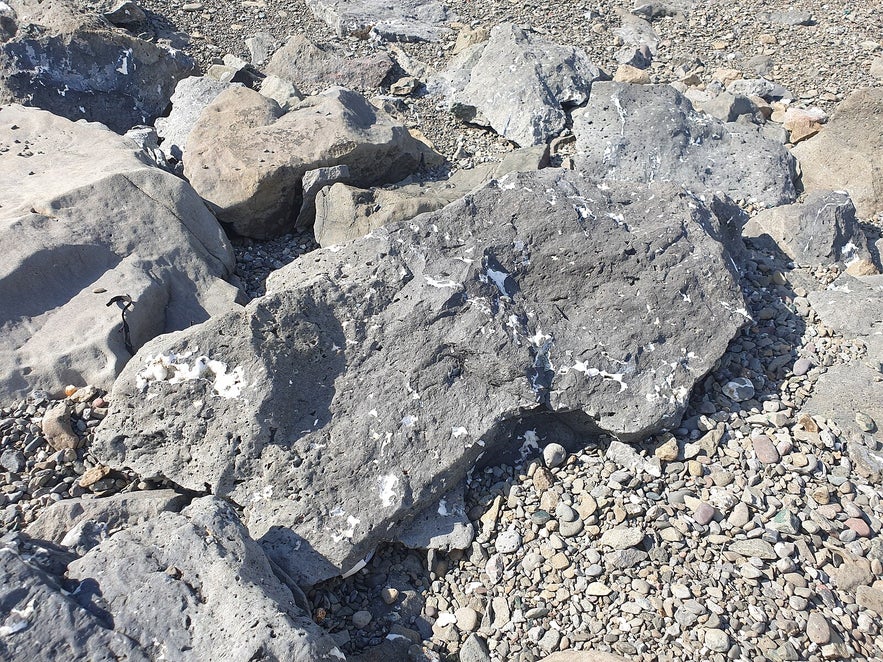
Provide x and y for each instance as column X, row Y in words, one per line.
column 79, row 66
column 407, row 20
column 312, row 67
column 821, row 230
column 651, row 132
column 370, row 378
column 518, row 83
column 846, row 154
column 255, row 188
column 88, row 220
column 225, row 593
column 344, row 212
column 191, row 96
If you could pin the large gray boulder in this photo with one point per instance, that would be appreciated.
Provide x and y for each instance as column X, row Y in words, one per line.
column 405, row 20
column 344, row 212
column 651, row 133
column 79, row 66
column 845, row 155
column 313, row 67
column 821, row 230
column 370, row 378
column 517, row 83
column 247, row 158
column 188, row 585
column 90, row 219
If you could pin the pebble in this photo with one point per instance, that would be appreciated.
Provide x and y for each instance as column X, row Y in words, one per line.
column 801, row 366
column 704, row 513
column 508, row 542
column 622, row 537
column 467, row 619
column 739, row 390
column 858, row 525
column 717, row 640
column 389, row 595
column 865, row 422
column 765, row 449
column 361, row 619
column 560, row 561
column 554, row 455
column 754, row 548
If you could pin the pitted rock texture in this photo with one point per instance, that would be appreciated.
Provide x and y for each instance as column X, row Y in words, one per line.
column 247, row 157
column 373, row 375
column 651, row 133
column 90, row 218
column 79, row 66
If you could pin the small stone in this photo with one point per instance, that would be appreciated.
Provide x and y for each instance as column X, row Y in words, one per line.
column 549, row 641
column 870, row 598
column 598, row 589
column 717, row 640
column 626, row 73
column 540, row 517
column 361, row 619
column 694, row 468
column 474, row 649
column 587, row 506
column 509, row 541
column 13, row 460
column 560, row 561
column 494, row 568
column 765, row 449
column 818, row 629
column 865, row 422
column 570, row 529
column 801, row 366
column 542, row 479
column 739, row 516
column 859, row 525
column 622, row 537
column 389, row 595
column 785, row 522
column 93, row 475
column 667, row 452
column 554, row 455
column 704, row 513
column 754, row 547
column 739, row 389
column 467, row 619
column 57, row 427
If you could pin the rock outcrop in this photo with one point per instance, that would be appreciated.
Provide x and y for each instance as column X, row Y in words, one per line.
column 517, row 83
column 79, row 66
column 372, row 376
column 90, row 219
column 651, row 133
column 846, row 154
column 247, row 158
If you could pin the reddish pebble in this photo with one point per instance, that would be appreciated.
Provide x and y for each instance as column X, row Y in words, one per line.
column 704, row 513
column 99, row 403
column 765, row 449
column 859, row 526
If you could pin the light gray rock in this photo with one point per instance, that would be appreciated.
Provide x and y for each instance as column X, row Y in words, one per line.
column 88, row 220
column 622, row 537
column 191, row 96
column 636, row 32
column 255, row 188
column 651, row 132
column 260, row 47
column 282, row 91
column 75, row 65
column 820, row 231
column 845, row 154
column 406, row 20
column 314, row 181
column 83, row 523
column 347, row 212
column 517, row 83
column 661, row 8
column 443, row 526
column 729, row 107
column 223, row 587
column 854, row 307
column 313, row 67
column 374, row 374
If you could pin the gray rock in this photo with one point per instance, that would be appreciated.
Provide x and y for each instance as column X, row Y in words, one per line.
column 622, row 537
column 622, row 559
column 255, row 189
column 361, row 619
column 88, row 220
column 347, row 212
column 820, row 231
column 627, row 457
column 13, row 460
column 637, row 32
column 68, row 522
column 517, row 83
column 739, row 389
column 75, row 65
column 224, row 589
column 754, row 547
column 729, row 107
column 758, row 87
column 661, row 8
column 619, row 137
column 124, row 13
column 554, row 455
column 406, row 20
column 314, row 181
column 508, row 542
column 282, row 91
column 443, row 526
column 260, row 46
column 792, row 17
column 313, row 67
column 845, row 155
column 854, row 307
column 374, row 374
column 191, row 96
column 474, row 649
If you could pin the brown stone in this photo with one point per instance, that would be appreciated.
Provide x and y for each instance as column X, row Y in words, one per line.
column 626, row 73
column 57, row 427
column 93, row 475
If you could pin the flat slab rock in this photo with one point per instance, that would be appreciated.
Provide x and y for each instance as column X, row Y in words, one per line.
column 90, row 218
column 406, row 20
column 371, row 377
column 650, row 133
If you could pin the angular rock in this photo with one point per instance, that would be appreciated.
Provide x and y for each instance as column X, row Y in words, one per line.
column 77, row 66
column 443, row 526
column 820, row 231
column 845, row 155
column 405, row 20
column 191, row 96
column 247, row 158
column 517, row 83
column 346, row 212
column 374, row 374
column 313, row 67
column 583, row 656
column 90, row 220
column 622, row 537
column 651, row 132
column 637, row 32
column 66, row 522
column 56, row 426
column 223, row 587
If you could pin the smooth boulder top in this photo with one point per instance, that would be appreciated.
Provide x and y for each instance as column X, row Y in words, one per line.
column 90, row 219
column 648, row 133
column 370, row 378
